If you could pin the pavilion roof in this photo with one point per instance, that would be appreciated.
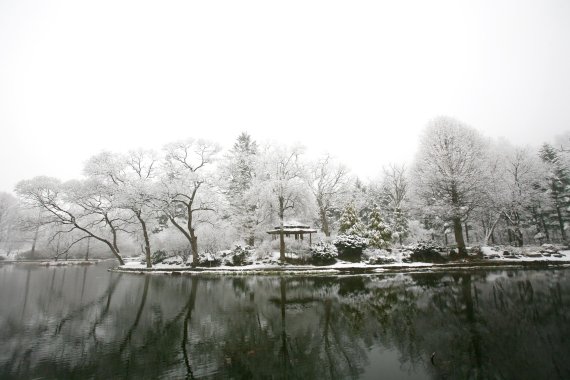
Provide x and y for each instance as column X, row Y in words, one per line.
column 292, row 228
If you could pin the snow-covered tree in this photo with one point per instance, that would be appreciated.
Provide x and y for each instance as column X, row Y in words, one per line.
column 450, row 172
column 131, row 180
column 76, row 207
column 187, row 197
column 557, row 185
column 350, row 223
column 237, row 172
column 394, row 200
column 328, row 182
column 399, row 224
column 9, row 214
column 519, row 183
column 281, row 185
column 379, row 234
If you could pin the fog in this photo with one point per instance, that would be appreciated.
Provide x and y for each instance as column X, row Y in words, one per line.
column 360, row 80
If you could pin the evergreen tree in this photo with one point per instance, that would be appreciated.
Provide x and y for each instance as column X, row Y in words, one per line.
column 379, row 234
column 241, row 162
column 350, row 223
column 239, row 172
column 557, row 185
column 399, row 225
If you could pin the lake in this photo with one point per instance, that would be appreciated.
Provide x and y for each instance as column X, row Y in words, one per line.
column 81, row 322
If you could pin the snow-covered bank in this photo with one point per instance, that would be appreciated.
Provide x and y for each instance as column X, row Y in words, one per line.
column 51, row 262
column 490, row 258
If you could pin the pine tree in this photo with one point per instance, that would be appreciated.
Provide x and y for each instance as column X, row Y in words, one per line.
column 240, row 173
column 379, row 234
column 557, row 185
column 241, row 163
column 399, row 225
column 350, row 223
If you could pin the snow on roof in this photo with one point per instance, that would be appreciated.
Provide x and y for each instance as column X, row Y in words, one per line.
column 292, row 230
column 292, row 224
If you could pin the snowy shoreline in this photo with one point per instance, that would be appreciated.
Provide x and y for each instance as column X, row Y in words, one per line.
column 349, row 268
column 488, row 261
column 53, row 262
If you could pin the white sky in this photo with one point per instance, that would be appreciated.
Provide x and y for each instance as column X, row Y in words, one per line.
column 359, row 79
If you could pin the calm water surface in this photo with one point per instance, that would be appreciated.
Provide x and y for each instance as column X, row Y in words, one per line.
column 83, row 322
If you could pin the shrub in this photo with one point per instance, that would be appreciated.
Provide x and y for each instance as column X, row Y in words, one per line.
column 350, row 241
column 323, row 253
column 158, row 256
column 379, row 256
column 237, row 257
column 474, row 250
column 185, row 254
column 548, row 249
column 426, row 252
column 240, row 255
column 350, row 246
column 207, row 259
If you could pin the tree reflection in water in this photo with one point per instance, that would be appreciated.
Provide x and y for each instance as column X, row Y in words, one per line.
column 90, row 323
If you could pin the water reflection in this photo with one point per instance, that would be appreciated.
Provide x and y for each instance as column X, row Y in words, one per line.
column 84, row 322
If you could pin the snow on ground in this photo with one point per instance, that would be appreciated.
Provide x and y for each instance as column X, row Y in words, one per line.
column 527, row 254
column 271, row 264
column 52, row 262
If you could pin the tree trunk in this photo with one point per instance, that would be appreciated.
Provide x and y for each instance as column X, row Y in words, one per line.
column 34, row 242
column 193, row 237
column 517, row 233
column 466, row 233
column 146, row 239
column 114, row 232
column 282, row 244
column 189, row 235
column 540, row 223
column 560, row 223
column 544, row 227
column 281, row 233
column 57, row 248
column 324, row 221
column 115, row 252
column 112, row 246
column 490, row 233
column 457, row 228
column 194, row 247
column 458, row 232
column 87, row 250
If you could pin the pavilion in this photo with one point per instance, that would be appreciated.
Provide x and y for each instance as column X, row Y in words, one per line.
column 293, row 228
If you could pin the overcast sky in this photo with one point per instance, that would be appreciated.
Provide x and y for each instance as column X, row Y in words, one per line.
column 359, row 79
